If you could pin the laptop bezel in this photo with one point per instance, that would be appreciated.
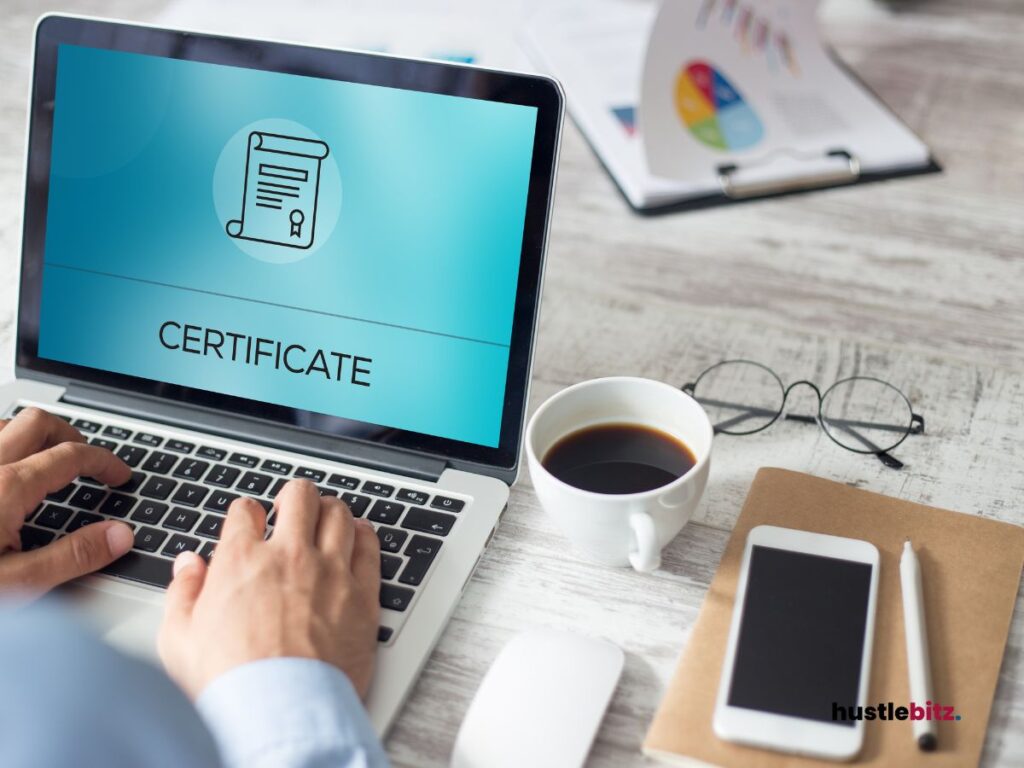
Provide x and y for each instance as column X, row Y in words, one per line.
column 376, row 69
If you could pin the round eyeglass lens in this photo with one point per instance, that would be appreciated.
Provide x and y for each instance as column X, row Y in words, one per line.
column 866, row 415
column 739, row 396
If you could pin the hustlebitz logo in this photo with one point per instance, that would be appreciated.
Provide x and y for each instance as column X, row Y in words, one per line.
column 930, row 710
column 280, row 190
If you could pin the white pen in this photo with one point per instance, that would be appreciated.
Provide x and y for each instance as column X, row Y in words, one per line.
column 918, row 665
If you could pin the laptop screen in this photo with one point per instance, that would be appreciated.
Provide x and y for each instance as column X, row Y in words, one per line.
column 341, row 248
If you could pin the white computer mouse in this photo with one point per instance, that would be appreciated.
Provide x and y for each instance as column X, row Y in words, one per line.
column 540, row 703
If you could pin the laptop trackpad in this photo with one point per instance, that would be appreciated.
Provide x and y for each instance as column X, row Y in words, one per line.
column 127, row 621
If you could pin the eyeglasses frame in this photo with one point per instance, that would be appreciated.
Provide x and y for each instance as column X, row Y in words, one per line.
column 915, row 427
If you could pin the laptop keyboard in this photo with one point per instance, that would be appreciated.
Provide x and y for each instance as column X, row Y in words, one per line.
column 180, row 491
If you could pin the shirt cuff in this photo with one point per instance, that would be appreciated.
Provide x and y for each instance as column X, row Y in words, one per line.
column 289, row 713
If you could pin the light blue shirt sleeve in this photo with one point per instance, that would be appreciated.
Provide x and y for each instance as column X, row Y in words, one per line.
column 289, row 713
column 67, row 699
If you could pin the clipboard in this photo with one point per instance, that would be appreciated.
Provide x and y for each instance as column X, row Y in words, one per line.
column 665, row 109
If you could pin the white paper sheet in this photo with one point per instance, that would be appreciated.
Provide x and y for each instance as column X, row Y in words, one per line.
column 454, row 30
column 738, row 82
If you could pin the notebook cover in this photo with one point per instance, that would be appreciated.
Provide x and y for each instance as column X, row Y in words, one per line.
column 971, row 569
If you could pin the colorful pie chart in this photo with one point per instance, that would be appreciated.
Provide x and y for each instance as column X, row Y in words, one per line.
column 713, row 110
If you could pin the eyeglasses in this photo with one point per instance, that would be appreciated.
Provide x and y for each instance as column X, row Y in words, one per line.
column 861, row 414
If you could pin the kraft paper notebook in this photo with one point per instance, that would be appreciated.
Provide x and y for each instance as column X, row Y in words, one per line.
column 972, row 568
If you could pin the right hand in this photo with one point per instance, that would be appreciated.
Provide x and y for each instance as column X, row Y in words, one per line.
column 311, row 591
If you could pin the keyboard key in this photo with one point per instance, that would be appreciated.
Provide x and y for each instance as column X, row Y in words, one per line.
column 214, row 454
column 386, row 512
column 181, row 519
column 413, row 497
column 266, row 504
column 419, row 563
column 222, row 477
column 34, row 538
column 179, row 544
column 86, row 426
column 384, row 634
column 378, row 489
column 211, row 526
column 191, row 469
column 423, row 546
column 276, row 488
column 133, row 483
column 180, row 446
column 108, row 444
column 131, row 454
column 357, row 504
column 424, row 520
column 118, row 433
column 117, row 505
column 277, row 467
column 219, row 501
column 157, row 488
column 343, row 481
column 207, row 551
column 134, row 566
column 253, row 483
column 160, row 462
column 307, row 473
column 53, row 517
column 389, row 565
column 190, row 495
column 147, row 439
column 86, row 497
column 149, row 539
column 244, row 460
column 81, row 520
column 391, row 539
column 61, row 493
column 149, row 512
column 395, row 598
column 447, row 504
column 326, row 491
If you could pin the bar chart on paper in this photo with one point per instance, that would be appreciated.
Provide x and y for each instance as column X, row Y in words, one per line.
column 713, row 110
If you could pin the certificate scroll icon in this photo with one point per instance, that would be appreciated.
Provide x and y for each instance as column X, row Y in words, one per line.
column 280, row 190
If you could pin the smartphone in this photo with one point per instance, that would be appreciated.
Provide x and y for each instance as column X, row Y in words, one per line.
column 799, row 651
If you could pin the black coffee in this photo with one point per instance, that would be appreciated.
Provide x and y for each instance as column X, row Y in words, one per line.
column 618, row 458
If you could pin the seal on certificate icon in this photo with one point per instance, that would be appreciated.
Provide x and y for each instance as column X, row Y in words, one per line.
column 279, row 190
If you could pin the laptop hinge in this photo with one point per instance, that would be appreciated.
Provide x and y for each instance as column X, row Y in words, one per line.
column 251, row 430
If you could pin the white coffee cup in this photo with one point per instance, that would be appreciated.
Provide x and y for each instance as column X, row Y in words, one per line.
column 631, row 528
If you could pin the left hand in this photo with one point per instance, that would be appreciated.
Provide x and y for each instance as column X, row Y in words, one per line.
column 40, row 453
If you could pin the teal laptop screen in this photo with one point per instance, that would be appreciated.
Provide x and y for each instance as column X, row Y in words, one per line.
column 341, row 248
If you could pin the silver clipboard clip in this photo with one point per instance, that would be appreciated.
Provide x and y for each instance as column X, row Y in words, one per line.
column 787, row 171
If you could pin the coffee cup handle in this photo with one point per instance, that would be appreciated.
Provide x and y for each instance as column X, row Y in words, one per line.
column 646, row 556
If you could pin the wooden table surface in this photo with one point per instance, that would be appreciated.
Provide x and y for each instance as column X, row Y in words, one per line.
column 918, row 281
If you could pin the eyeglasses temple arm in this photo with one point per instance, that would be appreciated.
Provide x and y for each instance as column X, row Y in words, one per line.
column 750, row 410
column 886, row 458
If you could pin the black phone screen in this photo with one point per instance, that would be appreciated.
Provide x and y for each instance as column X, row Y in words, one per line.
column 801, row 634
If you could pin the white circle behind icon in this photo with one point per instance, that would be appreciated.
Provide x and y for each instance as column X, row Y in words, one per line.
column 271, row 234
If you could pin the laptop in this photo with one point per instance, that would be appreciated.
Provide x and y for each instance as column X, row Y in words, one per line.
column 245, row 262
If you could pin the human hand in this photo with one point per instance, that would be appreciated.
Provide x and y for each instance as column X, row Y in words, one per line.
column 41, row 453
column 311, row 591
